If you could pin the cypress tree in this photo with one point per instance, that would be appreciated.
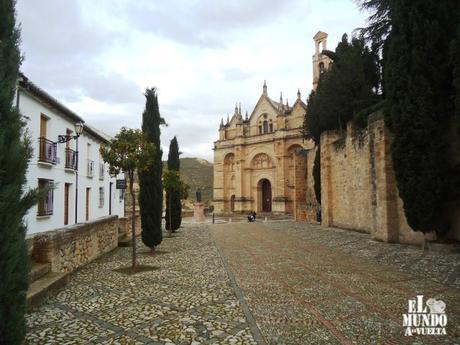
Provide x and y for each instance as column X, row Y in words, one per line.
column 173, row 215
column 317, row 175
column 420, row 96
column 312, row 130
column 151, row 188
column 347, row 91
column 15, row 152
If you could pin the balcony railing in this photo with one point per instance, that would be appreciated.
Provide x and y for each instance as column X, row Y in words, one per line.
column 101, row 171
column 47, row 151
column 71, row 159
column 90, row 168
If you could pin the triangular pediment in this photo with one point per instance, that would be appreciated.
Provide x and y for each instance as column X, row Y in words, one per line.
column 264, row 104
column 299, row 103
column 235, row 120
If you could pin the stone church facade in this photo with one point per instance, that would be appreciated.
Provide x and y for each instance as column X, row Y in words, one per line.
column 261, row 161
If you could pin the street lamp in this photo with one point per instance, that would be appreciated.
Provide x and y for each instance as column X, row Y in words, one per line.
column 79, row 128
column 65, row 138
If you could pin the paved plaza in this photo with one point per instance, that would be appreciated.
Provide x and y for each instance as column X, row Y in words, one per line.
column 277, row 282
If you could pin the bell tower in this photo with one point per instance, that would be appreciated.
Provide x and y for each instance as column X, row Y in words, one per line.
column 321, row 62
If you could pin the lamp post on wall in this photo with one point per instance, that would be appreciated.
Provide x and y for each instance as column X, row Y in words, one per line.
column 65, row 138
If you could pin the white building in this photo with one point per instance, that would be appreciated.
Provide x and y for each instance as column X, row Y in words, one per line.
column 57, row 165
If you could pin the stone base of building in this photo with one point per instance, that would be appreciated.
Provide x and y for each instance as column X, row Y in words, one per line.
column 307, row 214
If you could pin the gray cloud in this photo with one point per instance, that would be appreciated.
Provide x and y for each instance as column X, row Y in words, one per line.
column 202, row 23
column 61, row 48
column 72, row 46
column 54, row 29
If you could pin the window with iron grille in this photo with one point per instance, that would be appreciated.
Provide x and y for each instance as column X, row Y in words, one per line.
column 101, row 171
column 45, row 203
column 90, row 168
column 101, row 196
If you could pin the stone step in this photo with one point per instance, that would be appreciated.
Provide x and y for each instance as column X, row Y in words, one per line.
column 39, row 270
column 125, row 241
column 45, row 286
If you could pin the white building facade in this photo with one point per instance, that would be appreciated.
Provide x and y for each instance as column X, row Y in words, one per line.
column 79, row 186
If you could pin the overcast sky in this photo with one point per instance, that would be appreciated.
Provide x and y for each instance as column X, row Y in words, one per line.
column 97, row 57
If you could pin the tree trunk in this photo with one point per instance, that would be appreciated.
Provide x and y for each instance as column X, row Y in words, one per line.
column 133, row 222
column 170, row 222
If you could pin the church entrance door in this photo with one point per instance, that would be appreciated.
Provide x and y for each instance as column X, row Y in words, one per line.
column 266, row 196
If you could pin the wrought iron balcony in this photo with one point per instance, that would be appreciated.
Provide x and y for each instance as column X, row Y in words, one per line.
column 71, row 159
column 47, row 151
column 90, row 168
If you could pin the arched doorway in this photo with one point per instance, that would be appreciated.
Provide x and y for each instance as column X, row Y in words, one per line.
column 265, row 188
column 232, row 203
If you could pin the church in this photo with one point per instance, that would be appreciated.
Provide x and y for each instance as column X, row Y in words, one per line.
column 262, row 162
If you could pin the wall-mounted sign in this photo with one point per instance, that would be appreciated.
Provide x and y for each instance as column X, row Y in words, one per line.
column 121, row 184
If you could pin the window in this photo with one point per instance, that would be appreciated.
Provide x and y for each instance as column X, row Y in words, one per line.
column 47, row 151
column 90, row 168
column 71, row 159
column 45, row 203
column 321, row 67
column 265, row 125
column 101, row 171
column 68, row 133
column 46, row 148
column 271, row 127
column 43, row 125
column 101, row 196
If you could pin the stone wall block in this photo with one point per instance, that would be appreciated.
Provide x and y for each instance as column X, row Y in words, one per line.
column 70, row 248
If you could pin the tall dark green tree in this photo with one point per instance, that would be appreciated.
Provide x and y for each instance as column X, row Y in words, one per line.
column 455, row 60
column 345, row 92
column 150, row 183
column 173, row 216
column 421, row 101
column 15, row 153
column 312, row 130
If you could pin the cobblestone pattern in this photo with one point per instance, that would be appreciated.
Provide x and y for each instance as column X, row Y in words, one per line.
column 188, row 299
column 308, row 285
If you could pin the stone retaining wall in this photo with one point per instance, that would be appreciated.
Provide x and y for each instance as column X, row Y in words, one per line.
column 358, row 186
column 72, row 247
column 124, row 228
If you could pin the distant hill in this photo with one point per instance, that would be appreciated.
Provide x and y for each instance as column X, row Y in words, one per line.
column 197, row 173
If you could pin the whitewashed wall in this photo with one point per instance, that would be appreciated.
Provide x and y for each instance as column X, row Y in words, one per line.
column 57, row 124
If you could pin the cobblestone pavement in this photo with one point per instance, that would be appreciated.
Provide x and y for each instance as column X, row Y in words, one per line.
column 188, row 299
column 309, row 285
column 276, row 282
